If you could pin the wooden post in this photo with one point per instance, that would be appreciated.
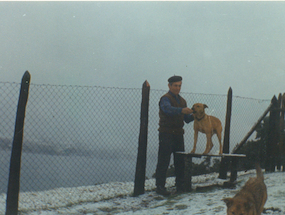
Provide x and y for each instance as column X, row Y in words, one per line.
column 15, row 162
column 281, row 135
column 272, row 137
column 142, row 148
column 279, row 132
column 226, row 142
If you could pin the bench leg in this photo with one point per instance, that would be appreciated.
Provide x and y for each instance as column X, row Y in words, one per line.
column 232, row 182
column 188, row 173
column 234, row 170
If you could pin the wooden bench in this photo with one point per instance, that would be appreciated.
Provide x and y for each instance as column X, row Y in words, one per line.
column 188, row 164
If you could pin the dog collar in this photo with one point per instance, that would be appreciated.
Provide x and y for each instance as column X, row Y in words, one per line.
column 200, row 118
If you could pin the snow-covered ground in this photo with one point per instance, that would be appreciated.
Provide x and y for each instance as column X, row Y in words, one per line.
column 116, row 198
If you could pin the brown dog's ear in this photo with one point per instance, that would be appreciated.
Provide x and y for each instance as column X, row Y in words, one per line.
column 228, row 201
column 205, row 106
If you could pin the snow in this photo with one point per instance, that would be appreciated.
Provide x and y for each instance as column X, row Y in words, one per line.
column 116, row 198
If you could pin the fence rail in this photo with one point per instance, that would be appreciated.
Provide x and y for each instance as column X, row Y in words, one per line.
column 79, row 135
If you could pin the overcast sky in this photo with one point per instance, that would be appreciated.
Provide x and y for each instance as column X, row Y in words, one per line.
column 212, row 45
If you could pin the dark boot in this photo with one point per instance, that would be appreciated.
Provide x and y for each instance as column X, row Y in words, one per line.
column 162, row 191
column 180, row 189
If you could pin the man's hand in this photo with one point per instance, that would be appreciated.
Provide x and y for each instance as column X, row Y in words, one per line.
column 187, row 110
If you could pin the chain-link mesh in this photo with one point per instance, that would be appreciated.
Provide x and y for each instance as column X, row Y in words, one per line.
column 78, row 135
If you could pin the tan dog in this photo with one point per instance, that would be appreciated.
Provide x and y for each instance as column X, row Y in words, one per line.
column 251, row 199
column 209, row 125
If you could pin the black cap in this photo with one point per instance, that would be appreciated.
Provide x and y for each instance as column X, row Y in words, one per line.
column 174, row 79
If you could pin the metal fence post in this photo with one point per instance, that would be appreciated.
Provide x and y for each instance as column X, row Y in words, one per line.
column 142, row 148
column 15, row 162
column 226, row 142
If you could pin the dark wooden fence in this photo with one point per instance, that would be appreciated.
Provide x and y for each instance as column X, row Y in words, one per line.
column 275, row 152
column 15, row 163
column 275, row 145
column 226, row 142
column 142, row 148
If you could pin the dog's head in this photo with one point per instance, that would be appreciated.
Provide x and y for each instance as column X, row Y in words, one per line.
column 199, row 108
column 239, row 206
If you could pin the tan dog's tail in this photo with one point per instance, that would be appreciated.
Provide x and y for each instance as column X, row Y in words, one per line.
column 259, row 173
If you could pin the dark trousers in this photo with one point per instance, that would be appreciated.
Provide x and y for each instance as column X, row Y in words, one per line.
column 168, row 144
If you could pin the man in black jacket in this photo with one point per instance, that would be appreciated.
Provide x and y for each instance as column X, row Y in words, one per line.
column 173, row 112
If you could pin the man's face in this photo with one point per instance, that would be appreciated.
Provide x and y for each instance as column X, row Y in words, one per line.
column 175, row 87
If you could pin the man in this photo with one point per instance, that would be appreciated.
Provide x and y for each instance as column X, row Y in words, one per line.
column 173, row 112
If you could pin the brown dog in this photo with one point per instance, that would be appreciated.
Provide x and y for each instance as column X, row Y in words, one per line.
column 251, row 199
column 209, row 125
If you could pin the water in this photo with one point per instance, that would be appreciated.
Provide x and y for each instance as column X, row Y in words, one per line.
column 43, row 172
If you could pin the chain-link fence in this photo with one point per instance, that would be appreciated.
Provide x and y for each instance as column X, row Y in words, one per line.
column 79, row 135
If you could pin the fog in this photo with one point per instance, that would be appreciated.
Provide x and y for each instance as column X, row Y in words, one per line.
column 213, row 45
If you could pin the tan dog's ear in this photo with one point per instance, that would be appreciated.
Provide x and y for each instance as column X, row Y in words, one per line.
column 228, row 201
column 205, row 106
